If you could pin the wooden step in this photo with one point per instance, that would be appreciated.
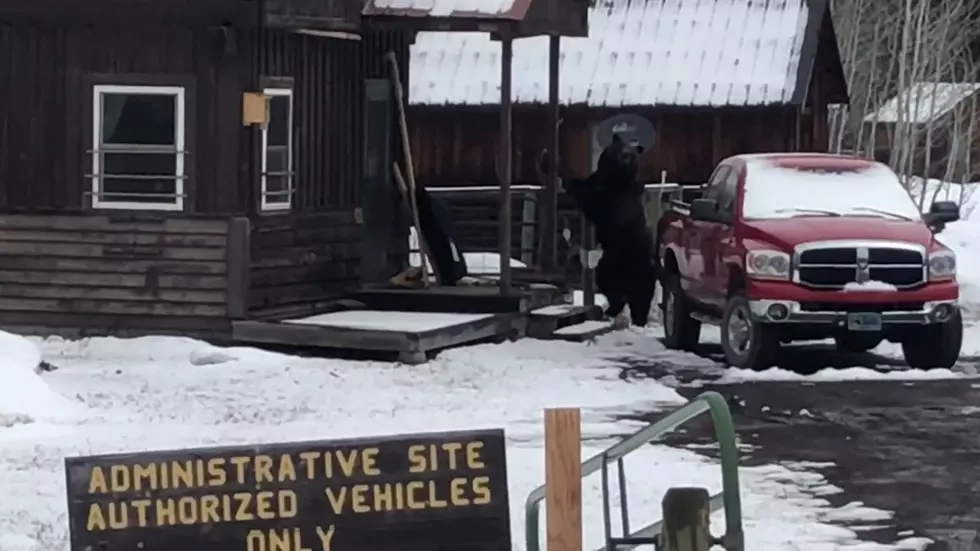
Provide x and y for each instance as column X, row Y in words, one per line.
column 584, row 331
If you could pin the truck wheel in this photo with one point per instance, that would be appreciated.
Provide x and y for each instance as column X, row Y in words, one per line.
column 857, row 342
column 681, row 331
column 935, row 346
column 747, row 344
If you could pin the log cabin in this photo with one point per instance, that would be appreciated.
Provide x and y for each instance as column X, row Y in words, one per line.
column 937, row 122
column 715, row 79
column 169, row 167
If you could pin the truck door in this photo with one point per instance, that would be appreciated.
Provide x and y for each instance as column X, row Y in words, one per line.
column 717, row 240
column 695, row 260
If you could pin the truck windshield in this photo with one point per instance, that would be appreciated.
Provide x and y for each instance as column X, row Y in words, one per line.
column 773, row 191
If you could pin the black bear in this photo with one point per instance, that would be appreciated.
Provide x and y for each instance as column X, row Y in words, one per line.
column 611, row 199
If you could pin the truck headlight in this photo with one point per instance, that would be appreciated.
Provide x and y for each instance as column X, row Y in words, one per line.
column 767, row 264
column 942, row 265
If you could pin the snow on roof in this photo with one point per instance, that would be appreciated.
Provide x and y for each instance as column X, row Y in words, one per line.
column 638, row 52
column 441, row 8
column 923, row 102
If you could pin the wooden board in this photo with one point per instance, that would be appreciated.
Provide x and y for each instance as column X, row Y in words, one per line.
column 414, row 492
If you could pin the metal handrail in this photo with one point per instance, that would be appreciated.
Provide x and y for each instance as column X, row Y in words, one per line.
column 721, row 417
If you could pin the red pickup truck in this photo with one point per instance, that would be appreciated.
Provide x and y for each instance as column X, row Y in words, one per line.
column 786, row 247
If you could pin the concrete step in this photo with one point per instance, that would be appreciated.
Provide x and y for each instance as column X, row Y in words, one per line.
column 543, row 322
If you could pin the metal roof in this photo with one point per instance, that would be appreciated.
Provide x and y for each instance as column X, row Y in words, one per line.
column 476, row 9
column 924, row 102
column 638, row 52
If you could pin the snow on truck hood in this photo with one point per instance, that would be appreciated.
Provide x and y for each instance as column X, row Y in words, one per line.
column 790, row 232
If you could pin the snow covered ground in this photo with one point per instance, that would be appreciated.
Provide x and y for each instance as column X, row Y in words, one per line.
column 113, row 395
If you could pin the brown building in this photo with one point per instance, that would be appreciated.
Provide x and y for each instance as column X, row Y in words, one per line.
column 714, row 79
column 938, row 123
column 136, row 196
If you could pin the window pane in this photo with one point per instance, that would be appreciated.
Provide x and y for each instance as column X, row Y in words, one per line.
column 137, row 191
column 129, row 164
column 276, row 184
column 276, row 160
column 142, row 119
column 279, row 107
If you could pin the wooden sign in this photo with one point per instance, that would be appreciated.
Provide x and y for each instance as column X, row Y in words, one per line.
column 420, row 492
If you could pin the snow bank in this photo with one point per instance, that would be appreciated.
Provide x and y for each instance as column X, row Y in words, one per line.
column 962, row 237
column 24, row 395
column 151, row 395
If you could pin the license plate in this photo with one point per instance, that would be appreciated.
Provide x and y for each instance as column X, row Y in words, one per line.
column 864, row 322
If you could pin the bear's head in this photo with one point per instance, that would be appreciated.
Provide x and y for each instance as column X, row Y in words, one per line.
column 619, row 161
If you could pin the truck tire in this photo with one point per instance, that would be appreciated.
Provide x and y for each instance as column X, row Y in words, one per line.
column 857, row 342
column 935, row 346
column 747, row 344
column 681, row 331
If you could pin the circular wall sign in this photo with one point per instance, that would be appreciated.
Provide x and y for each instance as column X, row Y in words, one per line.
column 633, row 129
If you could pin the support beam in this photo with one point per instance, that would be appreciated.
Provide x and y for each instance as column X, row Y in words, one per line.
column 549, row 205
column 563, row 478
column 506, row 161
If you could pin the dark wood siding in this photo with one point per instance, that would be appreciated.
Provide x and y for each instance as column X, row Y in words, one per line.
column 313, row 252
column 49, row 70
column 108, row 274
column 299, row 262
column 457, row 146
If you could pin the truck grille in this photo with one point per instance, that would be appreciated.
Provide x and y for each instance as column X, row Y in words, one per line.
column 835, row 265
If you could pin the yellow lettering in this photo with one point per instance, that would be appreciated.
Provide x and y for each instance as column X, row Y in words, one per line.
column 263, row 469
column 209, row 509
column 369, row 461
column 166, row 512
column 457, row 496
column 240, row 464
column 142, row 505
column 452, row 448
column 243, row 499
column 263, row 505
column 216, row 472
column 326, row 536
column 382, row 497
column 287, row 504
column 473, row 459
column 336, row 501
column 279, row 541
column 309, row 458
column 96, row 481
column 146, row 473
column 119, row 478
column 255, row 541
column 287, row 471
column 411, row 488
column 359, row 498
column 416, row 459
column 182, row 474
column 347, row 463
column 434, row 500
column 118, row 516
column 96, row 521
column 481, row 487
column 187, row 510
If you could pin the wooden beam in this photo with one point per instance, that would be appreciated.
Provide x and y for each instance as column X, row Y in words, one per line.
column 506, row 161
column 563, row 478
column 549, row 212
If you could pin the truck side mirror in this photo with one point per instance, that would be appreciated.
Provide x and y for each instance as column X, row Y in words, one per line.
column 705, row 210
column 941, row 213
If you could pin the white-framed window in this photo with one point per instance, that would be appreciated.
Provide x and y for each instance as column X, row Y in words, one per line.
column 138, row 147
column 277, row 151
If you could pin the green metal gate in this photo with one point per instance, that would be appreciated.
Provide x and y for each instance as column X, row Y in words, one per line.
column 728, row 499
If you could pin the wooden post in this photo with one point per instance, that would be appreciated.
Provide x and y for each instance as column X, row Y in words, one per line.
column 686, row 512
column 549, row 206
column 506, row 160
column 563, row 478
